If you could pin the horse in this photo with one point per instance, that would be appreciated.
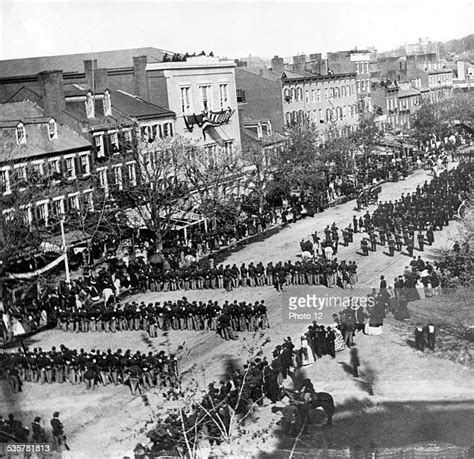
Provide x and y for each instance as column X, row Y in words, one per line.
column 312, row 399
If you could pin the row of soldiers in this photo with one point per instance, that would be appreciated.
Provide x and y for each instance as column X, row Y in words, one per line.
column 176, row 315
column 413, row 219
column 140, row 371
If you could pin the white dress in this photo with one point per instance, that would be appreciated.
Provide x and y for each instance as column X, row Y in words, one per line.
column 307, row 354
column 420, row 288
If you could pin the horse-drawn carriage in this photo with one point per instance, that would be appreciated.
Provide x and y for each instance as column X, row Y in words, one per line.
column 369, row 195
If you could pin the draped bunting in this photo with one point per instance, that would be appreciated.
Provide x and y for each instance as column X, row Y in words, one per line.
column 208, row 118
column 38, row 271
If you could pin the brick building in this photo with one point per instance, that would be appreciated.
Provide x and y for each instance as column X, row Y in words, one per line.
column 358, row 62
column 45, row 167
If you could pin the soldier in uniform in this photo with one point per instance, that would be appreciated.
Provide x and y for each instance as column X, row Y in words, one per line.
column 365, row 247
column 421, row 241
column 391, row 247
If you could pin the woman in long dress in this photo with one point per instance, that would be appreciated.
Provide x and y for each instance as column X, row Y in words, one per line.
column 339, row 341
column 306, row 353
column 420, row 288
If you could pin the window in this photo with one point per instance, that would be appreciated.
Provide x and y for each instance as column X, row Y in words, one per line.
column 99, row 145
column 127, row 135
column 117, row 174
column 358, row 87
column 58, row 206
column 107, row 104
column 211, row 151
column 73, row 201
column 88, row 200
column 52, row 129
column 19, row 176
column 26, row 213
column 186, row 100
column 103, row 179
column 228, row 149
column 37, row 167
column 53, row 165
column 90, row 109
column 366, row 67
column 240, row 96
column 357, row 68
column 205, row 92
column 70, row 167
column 337, row 93
column 288, row 118
column 300, row 94
column 293, row 94
column 319, row 95
column 320, row 114
column 5, row 181
column 20, row 134
column 132, row 175
column 306, row 98
column 167, row 130
column 223, row 96
column 313, row 95
column 114, row 142
column 42, row 212
column 326, row 93
column 85, row 164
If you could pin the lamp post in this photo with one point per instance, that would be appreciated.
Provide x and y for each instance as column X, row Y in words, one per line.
column 66, row 261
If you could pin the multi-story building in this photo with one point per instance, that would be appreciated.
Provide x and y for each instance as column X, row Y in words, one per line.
column 440, row 84
column 108, row 118
column 323, row 99
column 385, row 102
column 424, row 71
column 358, row 62
column 285, row 97
column 259, row 95
column 45, row 167
column 409, row 100
column 186, row 85
column 202, row 92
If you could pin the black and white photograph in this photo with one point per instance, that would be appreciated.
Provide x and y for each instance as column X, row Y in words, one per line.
column 236, row 229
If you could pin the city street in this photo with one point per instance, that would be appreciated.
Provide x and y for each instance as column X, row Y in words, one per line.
column 111, row 421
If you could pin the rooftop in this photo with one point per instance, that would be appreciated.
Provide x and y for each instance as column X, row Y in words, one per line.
column 133, row 106
column 38, row 142
column 74, row 63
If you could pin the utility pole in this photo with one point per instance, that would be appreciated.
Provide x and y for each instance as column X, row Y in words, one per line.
column 66, row 261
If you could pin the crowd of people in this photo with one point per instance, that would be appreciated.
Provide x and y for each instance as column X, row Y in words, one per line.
column 140, row 371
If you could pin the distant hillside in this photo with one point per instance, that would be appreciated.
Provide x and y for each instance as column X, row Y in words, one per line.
column 462, row 48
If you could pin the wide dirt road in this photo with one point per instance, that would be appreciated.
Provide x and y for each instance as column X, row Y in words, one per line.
column 109, row 422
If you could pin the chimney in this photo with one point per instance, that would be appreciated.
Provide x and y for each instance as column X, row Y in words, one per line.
column 90, row 69
column 51, row 83
column 100, row 80
column 140, row 78
column 278, row 64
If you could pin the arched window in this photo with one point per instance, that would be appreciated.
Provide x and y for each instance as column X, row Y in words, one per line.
column 107, row 103
column 293, row 95
column 328, row 114
column 52, row 129
column 288, row 118
column 90, row 109
column 20, row 133
column 300, row 94
column 338, row 93
column 295, row 117
column 300, row 116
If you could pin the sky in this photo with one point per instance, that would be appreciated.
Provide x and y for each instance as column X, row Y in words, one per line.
column 229, row 29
